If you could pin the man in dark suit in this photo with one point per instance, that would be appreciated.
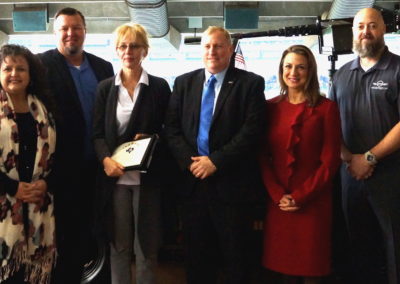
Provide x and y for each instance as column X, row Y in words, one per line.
column 218, row 158
column 73, row 75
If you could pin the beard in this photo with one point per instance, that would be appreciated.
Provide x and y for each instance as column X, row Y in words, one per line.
column 371, row 49
column 73, row 50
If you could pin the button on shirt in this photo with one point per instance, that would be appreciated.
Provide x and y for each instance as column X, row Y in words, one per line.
column 125, row 108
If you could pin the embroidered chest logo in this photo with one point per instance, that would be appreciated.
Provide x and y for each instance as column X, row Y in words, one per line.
column 380, row 85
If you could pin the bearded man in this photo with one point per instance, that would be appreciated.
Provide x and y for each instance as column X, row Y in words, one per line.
column 73, row 75
column 367, row 91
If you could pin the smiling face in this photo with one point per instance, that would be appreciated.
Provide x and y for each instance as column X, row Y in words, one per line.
column 295, row 71
column 70, row 32
column 131, row 51
column 368, row 33
column 14, row 75
column 217, row 51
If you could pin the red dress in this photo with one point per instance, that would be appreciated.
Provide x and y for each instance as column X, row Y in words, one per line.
column 300, row 157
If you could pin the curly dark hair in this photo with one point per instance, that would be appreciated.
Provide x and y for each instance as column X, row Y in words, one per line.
column 38, row 84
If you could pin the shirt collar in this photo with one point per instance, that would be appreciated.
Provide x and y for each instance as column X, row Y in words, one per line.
column 382, row 64
column 385, row 59
column 144, row 78
column 84, row 65
column 219, row 76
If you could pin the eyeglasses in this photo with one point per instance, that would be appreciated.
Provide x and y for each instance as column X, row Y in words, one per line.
column 133, row 46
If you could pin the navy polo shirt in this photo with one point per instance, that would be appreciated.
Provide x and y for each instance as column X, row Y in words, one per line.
column 86, row 83
column 368, row 101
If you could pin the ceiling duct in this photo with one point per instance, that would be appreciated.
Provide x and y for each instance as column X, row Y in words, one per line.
column 3, row 38
column 341, row 9
column 152, row 14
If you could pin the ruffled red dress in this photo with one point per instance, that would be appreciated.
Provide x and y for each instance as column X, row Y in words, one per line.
column 300, row 156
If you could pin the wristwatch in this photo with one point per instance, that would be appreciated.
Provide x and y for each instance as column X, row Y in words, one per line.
column 371, row 158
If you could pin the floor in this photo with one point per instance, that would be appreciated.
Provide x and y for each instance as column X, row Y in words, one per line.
column 171, row 268
column 173, row 273
column 170, row 273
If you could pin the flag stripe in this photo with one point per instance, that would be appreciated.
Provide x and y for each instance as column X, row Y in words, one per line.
column 239, row 58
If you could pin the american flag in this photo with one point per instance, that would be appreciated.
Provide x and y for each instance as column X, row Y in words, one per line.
column 239, row 59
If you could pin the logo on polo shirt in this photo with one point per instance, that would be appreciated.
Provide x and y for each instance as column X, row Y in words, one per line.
column 380, row 85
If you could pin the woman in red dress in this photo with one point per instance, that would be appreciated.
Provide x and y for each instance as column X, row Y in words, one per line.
column 300, row 157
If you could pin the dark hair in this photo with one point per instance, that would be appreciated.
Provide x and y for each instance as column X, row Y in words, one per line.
column 38, row 84
column 311, row 88
column 70, row 12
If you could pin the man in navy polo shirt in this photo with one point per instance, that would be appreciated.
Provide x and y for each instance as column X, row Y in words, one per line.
column 367, row 91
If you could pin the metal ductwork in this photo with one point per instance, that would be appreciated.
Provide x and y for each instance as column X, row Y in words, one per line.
column 341, row 9
column 3, row 38
column 152, row 14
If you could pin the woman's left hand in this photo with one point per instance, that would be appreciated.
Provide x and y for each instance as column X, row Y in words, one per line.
column 140, row 135
column 35, row 192
column 288, row 204
column 40, row 185
column 39, row 189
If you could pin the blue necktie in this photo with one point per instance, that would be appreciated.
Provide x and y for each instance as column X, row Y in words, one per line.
column 206, row 112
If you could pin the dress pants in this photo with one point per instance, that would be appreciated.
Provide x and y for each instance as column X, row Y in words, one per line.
column 135, row 225
column 216, row 235
column 372, row 213
column 73, row 207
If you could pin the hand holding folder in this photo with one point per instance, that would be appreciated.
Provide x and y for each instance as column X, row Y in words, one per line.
column 137, row 154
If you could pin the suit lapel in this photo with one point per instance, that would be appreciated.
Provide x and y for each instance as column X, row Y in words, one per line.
column 229, row 81
column 111, row 118
column 97, row 68
column 69, row 80
column 128, row 135
column 197, row 93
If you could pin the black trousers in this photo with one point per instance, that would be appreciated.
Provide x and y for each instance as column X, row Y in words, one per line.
column 372, row 213
column 73, row 202
column 216, row 236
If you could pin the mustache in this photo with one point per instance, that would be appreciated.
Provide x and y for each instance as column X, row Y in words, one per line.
column 71, row 38
column 367, row 36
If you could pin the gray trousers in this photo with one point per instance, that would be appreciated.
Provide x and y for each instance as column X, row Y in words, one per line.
column 137, row 231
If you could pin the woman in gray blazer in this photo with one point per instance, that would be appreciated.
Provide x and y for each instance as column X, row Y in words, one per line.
column 129, row 106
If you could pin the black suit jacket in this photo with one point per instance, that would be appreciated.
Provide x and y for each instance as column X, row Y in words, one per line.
column 235, row 131
column 147, row 117
column 75, row 176
column 71, row 124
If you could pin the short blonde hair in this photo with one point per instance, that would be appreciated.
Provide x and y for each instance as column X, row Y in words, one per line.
column 136, row 31
column 213, row 29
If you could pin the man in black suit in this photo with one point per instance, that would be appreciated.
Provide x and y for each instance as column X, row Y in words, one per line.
column 220, row 173
column 73, row 75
